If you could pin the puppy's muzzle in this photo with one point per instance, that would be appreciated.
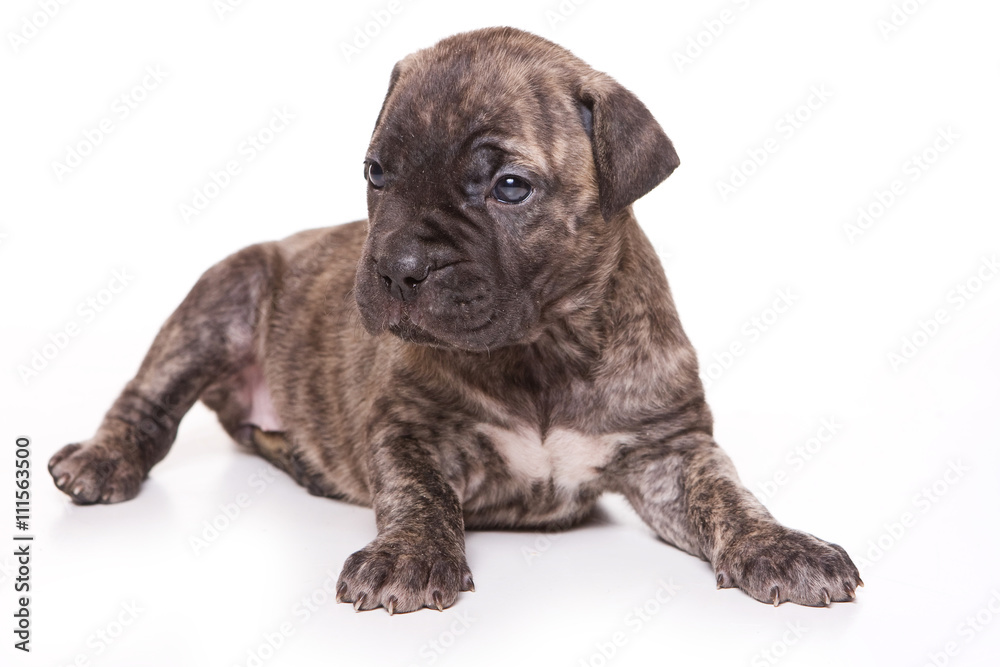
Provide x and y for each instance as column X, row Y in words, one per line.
column 402, row 272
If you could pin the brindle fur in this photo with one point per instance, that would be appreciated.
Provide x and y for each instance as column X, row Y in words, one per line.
column 539, row 364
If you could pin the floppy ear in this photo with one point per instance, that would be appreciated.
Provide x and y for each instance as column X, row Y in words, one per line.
column 631, row 152
column 397, row 72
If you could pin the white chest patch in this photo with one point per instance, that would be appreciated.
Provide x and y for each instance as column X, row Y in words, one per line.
column 568, row 457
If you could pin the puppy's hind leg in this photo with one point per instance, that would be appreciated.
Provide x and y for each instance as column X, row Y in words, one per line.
column 210, row 335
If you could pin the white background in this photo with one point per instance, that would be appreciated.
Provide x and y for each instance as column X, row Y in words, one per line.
column 541, row 600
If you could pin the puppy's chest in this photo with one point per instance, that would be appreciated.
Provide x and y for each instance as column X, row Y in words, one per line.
column 562, row 459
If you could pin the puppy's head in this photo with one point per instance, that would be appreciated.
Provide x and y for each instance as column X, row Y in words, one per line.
column 497, row 174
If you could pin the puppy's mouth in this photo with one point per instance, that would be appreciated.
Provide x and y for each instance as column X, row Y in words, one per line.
column 404, row 321
column 452, row 307
column 410, row 333
column 412, row 323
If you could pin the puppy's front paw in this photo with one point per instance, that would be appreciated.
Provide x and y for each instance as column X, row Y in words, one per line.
column 403, row 575
column 97, row 472
column 774, row 564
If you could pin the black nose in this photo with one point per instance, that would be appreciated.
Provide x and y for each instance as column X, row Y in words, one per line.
column 402, row 274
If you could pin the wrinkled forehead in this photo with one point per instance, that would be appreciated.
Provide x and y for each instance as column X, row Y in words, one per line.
column 457, row 103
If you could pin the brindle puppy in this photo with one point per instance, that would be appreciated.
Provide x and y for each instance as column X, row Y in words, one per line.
column 535, row 359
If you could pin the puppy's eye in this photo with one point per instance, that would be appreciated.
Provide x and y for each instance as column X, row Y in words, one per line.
column 375, row 175
column 511, row 190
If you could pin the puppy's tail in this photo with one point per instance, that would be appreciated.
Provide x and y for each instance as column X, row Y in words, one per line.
column 275, row 448
column 272, row 446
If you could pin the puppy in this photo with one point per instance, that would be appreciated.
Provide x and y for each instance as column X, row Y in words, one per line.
column 496, row 346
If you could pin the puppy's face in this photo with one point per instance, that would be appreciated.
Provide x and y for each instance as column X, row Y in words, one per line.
column 489, row 216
